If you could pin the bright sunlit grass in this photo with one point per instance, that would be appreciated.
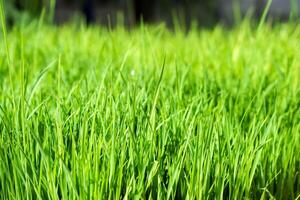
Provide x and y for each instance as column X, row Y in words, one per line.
column 96, row 114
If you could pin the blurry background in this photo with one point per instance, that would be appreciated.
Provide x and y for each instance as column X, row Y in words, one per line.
column 131, row 12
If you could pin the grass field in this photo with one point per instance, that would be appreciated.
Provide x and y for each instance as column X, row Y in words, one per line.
column 92, row 113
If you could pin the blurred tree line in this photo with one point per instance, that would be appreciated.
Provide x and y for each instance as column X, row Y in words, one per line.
column 146, row 10
column 206, row 12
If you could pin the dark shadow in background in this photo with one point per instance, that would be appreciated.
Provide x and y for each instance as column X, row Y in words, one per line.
column 87, row 9
column 206, row 12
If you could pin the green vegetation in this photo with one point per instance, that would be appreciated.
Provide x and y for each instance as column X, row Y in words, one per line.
column 91, row 113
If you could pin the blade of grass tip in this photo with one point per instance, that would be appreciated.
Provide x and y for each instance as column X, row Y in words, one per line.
column 36, row 108
column 152, row 173
column 41, row 18
column 293, row 9
column 52, row 10
column 4, row 30
column 152, row 115
column 39, row 79
column 264, row 15
column 121, row 69
column 236, row 7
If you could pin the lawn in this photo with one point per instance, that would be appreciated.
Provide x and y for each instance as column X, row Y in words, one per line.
column 150, row 113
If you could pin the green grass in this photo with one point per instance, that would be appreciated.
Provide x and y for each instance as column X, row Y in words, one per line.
column 91, row 113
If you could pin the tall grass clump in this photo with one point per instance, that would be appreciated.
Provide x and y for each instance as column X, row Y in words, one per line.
column 91, row 113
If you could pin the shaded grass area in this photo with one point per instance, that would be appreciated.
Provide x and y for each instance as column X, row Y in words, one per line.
column 91, row 113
